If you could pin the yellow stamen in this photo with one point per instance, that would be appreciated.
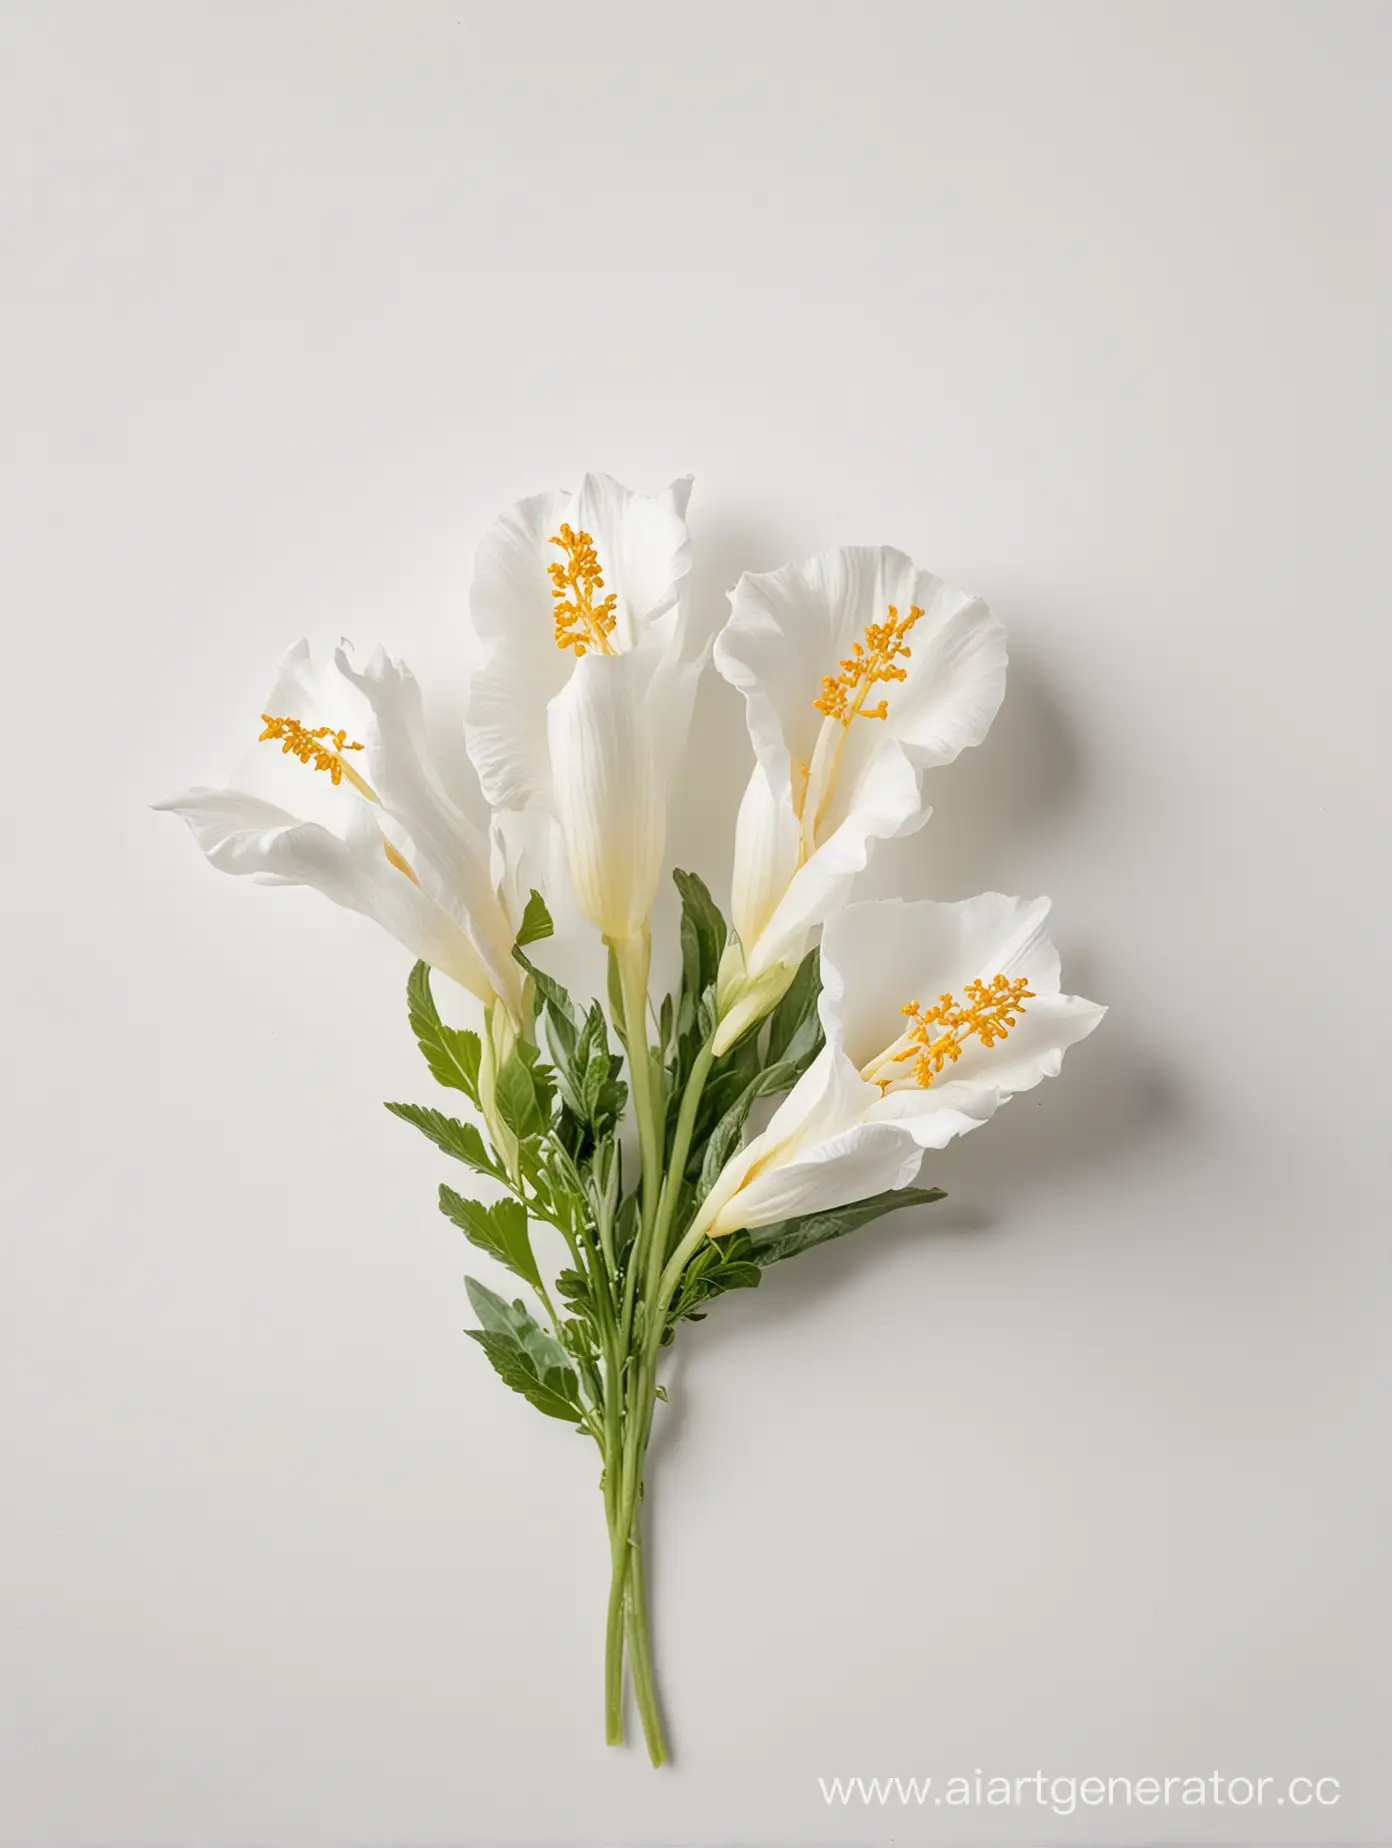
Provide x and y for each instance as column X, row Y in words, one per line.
column 870, row 663
column 322, row 749
column 308, row 746
column 581, row 623
column 935, row 1034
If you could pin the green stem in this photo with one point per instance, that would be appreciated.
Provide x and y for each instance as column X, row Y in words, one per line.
column 676, row 1167
column 614, row 1635
column 640, row 1653
column 633, row 955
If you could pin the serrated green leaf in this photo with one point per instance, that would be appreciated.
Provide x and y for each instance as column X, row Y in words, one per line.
column 500, row 1230
column 451, row 1053
column 461, row 1140
column 536, row 921
column 771, row 1244
column 524, row 1355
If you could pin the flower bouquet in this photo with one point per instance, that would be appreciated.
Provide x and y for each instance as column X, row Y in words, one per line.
column 637, row 1165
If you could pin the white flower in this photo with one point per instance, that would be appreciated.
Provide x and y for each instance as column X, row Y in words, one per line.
column 935, row 1015
column 583, row 698
column 371, row 825
column 859, row 673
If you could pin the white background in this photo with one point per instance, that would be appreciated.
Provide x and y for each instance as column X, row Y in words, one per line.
column 1076, row 303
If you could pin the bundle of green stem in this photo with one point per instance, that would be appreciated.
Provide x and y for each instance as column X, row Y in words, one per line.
column 642, row 1258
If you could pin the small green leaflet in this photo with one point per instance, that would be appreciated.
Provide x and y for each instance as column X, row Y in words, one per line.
column 536, row 921
column 769, row 1244
column 451, row 1053
column 524, row 1356
column 500, row 1230
column 461, row 1140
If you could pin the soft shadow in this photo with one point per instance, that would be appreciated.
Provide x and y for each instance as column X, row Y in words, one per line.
column 1009, row 790
column 708, row 794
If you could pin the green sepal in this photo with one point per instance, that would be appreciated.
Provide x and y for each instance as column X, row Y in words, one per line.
column 524, row 1355
column 500, row 1230
column 461, row 1140
column 452, row 1053
column 770, row 1244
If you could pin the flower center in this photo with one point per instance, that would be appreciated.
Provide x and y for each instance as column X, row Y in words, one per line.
column 934, row 1035
column 581, row 623
column 870, row 663
column 873, row 661
column 323, row 749
column 297, row 741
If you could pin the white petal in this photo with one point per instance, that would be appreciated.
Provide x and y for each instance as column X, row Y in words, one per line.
column 611, row 750
column 643, row 547
column 449, row 855
column 766, row 850
column 817, row 1152
column 512, row 613
column 644, row 552
column 243, row 835
column 855, row 1164
column 789, row 628
column 889, row 804
column 879, row 955
column 882, row 953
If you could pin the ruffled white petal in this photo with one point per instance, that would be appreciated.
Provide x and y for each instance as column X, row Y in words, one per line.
column 512, row 613
column 643, row 547
column 788, row 628
column 879, row 955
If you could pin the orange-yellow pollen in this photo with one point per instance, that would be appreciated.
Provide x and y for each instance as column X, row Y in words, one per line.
column 935, row 1035
column 309, row 746
column 581, row 623
column 869, row 664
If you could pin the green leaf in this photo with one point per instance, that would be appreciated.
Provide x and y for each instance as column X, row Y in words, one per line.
column 536, row 921
column 770, row 1244
column 524, row 1355
column 795, row 1031
column 523, row 1093
column 562, row 1024
column 461, row 1140
column 725, row 1137
column 452, row 1054
column 500, row 1230
column 703, row 935
column 712, row 1274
